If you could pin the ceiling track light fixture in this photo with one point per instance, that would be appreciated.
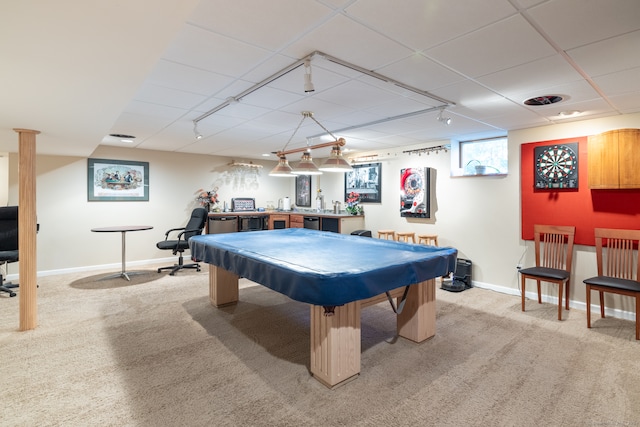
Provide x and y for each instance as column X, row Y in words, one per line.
column 334, row 163
column 195, row 131
column 308, row 84
column 444, row 120
column 329, row 58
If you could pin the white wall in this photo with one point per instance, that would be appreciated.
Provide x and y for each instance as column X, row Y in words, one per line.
column 66, row 217
column 480, row 216
column 4, row 179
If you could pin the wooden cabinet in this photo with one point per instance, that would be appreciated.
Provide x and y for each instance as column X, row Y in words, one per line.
column 277, row 221
column 296, row 221
column 614, row 159
column 350, row 224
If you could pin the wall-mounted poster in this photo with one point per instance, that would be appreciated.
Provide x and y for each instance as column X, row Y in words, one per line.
column 414, row 192
column 365, row 180
column 117, row 180
column 303, row 190
column 556, row 166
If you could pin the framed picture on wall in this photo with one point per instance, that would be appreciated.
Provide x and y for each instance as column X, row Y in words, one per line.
column 415, row 192
column 303, row 190
column 366, row 180
column 117, row 180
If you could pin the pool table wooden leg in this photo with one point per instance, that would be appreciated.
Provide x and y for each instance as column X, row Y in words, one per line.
column 335, row 344
column 417, row 321
column 223, row 287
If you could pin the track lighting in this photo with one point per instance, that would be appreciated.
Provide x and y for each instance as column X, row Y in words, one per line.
column 195, row 131
column 308, row 84
column 445, row 120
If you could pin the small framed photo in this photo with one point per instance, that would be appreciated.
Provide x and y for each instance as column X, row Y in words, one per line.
column 117, row 180
column 303, row 191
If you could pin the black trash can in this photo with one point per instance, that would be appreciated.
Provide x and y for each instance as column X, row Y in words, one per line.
column 363, row 233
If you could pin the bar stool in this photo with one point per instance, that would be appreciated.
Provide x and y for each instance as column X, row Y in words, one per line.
column 404, row 236
column 428, row 239
column 386, row 234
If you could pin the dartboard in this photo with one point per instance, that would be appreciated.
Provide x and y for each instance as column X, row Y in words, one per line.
column 556, row 166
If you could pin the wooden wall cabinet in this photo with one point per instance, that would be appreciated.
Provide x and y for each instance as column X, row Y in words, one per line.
column 614, row 159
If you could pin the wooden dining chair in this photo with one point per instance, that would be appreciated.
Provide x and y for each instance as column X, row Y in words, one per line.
column 618, row 268
column 554, row 253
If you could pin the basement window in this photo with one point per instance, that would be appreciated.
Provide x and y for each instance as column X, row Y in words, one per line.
column 480, row 157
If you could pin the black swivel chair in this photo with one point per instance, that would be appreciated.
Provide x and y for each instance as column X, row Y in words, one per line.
column 193, row 228
column 8, row 243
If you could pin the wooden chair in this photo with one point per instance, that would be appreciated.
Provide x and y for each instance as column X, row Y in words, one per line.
column 404, row 236
column 428, row 239
column 618, row 269
column 554, row 253
column 386, row 234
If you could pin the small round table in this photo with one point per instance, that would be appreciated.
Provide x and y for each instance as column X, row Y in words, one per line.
column 122, row 229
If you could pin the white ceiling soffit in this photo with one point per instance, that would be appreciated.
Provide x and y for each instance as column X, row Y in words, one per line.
column 78, row 73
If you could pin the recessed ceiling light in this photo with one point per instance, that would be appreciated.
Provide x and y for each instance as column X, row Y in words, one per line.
column 570, row 113
column 543, row 100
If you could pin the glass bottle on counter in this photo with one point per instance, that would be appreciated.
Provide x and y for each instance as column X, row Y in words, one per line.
column 319, row 201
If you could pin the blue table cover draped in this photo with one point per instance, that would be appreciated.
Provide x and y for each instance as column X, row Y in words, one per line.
column 323, row 268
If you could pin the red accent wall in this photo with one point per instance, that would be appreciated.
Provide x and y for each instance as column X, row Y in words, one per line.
column 585, row 208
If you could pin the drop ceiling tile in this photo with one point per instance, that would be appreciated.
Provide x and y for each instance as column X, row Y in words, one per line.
column 350, row 41
column 607, row 56
column 271, row 98
column 620, row 83
column 356, row 95
column 203, row 49
column 421, row 24
column 186, row 78
column 146, row 109
column 168, row 97
column 468, row 94
column 421, row 73
column 575, row 23
column 488, row 50
column 252, row 22
column 531, row 77
column 626, row 103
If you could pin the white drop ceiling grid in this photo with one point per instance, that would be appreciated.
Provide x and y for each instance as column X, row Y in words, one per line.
column 485, row 56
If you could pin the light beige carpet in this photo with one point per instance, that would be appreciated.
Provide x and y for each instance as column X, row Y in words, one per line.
column 153, row 352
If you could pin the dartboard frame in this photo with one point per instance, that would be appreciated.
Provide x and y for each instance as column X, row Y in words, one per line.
column 556, row 166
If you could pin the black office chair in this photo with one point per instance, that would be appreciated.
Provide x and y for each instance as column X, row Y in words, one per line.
column 193, row 228
column 8, row 243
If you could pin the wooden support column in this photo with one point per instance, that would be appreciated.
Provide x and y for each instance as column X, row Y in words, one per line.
column 27, row 228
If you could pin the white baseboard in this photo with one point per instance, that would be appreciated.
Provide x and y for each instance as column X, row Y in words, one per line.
column 579, row 305
column 114, row 266
column 617, row 313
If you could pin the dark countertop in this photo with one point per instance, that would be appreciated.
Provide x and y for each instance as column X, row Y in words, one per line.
column 324, row 214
